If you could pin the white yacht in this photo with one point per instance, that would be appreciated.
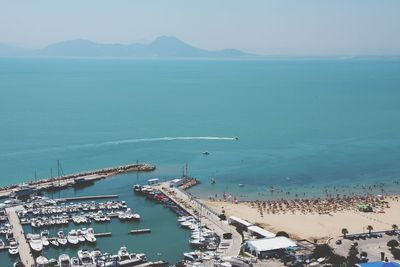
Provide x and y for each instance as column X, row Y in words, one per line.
column 41, row 261
column 85, row 257
column 123, row 254
column 73, row 237
column 44, row 236
column 96, row 255
column 62, row 241
column 13, row 248
column 81, row 235
column 64, row 260
column 54, row 242
column 36, row 243
column 74, row 261
column 89, row 235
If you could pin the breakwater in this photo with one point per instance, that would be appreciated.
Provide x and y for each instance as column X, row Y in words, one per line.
column 61, row 182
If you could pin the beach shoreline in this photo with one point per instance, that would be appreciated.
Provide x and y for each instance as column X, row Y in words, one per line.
column 310, row 224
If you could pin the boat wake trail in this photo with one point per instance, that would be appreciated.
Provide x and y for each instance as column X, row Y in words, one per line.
column 119, row 142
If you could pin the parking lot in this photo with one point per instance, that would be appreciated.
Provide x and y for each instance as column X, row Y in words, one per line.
column 373, row 246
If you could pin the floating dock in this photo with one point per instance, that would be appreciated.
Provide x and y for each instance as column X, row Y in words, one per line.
column 103, row 234
column 139, row 231
column 23, row 246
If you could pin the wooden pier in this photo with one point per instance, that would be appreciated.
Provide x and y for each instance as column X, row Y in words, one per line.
column 23, row 245
column 139, row 231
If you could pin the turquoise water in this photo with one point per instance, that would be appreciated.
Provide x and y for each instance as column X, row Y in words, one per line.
column 302, row 124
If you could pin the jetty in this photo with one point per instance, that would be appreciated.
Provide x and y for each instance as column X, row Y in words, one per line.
column 139, row 231
column 85, row 198
column 18, row 232
column 194, row 207
column 61, row 182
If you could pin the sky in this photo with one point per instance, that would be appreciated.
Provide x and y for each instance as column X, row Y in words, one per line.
column 287, row 27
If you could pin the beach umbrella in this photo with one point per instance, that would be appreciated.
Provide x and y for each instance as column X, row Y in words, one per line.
column 380, row 264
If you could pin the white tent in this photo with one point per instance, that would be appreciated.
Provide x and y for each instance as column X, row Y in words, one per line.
column 260, row 231
column 269, row 244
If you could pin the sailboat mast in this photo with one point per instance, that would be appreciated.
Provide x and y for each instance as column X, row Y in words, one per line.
column 58, row 172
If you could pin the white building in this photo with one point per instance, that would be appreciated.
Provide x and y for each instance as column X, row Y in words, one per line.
column 176, row 182
column 262, row 248
column 153, row 181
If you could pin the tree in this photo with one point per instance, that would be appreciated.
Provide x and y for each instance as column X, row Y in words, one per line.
column 394, row 227
column 352, row 258
column 345, row 232
column 282, row 233
column 392, row 243
column 370, row 228
column 321, row 251
column 337, row 260
column 396, row 253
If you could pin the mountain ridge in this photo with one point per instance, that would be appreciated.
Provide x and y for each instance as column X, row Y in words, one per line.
column 161, row 47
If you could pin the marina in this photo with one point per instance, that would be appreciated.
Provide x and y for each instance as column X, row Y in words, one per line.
column 60, row 216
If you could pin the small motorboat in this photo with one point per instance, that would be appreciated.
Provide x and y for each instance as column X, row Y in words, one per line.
column 73, row 237
column 85, row 257
column 44, row 236
column 62, row 241
column 36, row 243
column 123, row 254
column 41, row 261
column 13, row 248
column 54, row 242
column 89, row 235
column 74, row 261
column 206, row 153
column 64, row 260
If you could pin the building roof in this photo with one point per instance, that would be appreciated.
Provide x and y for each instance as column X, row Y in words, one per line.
column 268, row 244
column 241, row 221
column 380, row 264
column 260, row 231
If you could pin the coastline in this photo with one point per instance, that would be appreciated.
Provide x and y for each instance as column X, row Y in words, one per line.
column 311, row 225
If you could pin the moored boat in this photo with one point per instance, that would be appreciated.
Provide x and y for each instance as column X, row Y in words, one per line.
column 64, row 260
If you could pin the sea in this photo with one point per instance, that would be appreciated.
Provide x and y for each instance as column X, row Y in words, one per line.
column 305, row 128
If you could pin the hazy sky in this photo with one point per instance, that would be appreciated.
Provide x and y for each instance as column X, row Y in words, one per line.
column 348, row 27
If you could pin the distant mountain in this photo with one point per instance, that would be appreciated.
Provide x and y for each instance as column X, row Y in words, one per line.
column 162, row 47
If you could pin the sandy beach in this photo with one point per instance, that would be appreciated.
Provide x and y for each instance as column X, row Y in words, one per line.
column 311, row 225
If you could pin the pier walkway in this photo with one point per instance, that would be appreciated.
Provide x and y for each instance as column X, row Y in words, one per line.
column 23, row 246
column 208, row 217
